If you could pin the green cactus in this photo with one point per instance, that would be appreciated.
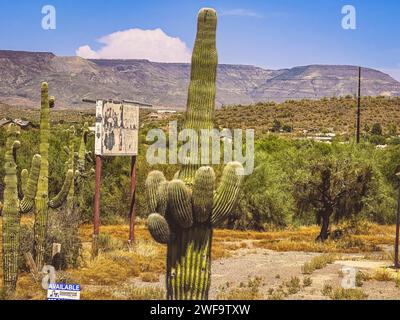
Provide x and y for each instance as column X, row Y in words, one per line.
column 42, row 202
column 63, row 225
column 70, row 165
column 14, row 207
column 186, row 209
column 79, row 167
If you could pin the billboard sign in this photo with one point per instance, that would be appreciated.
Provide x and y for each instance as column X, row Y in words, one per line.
column 117, row 129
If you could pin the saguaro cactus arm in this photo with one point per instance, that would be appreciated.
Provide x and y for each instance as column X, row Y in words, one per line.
column 59, row 199
column 28, row 201
column 159, row 228
column 24, row 180
column 227, row 192
column 153, row 181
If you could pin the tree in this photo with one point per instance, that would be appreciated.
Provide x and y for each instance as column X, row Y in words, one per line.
column 392, row 130
column 376, row 129
column 287, row 128
column 266, row 197
column 332, row 187
column 276, row 126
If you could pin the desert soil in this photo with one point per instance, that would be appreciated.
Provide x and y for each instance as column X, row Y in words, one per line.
column 276, row 268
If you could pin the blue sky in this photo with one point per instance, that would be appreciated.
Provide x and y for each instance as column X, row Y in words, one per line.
column 268, row 33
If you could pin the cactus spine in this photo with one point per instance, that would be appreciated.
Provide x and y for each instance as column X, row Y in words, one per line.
column 14, row 207
column 185, row 210
column 42, row 202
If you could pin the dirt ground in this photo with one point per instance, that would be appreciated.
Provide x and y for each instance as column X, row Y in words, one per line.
column 276, row 268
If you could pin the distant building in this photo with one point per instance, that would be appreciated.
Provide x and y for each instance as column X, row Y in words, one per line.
column 166, row 111
column 19, row 122
column 22, row 123
column 328, row 137
column 154, row 115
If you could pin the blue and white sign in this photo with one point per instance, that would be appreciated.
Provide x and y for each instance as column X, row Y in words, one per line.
column 62, row 291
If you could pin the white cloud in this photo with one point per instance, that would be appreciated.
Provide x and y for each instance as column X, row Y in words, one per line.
column 240, row 12
column 154, row 45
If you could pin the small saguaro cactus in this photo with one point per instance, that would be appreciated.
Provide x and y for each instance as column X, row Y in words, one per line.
column 15, row 206
column 77, row 162
column 186, row 209
column 42, row 202
column 70, row 165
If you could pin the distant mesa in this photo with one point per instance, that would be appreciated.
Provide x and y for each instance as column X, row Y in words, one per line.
column 164, row 85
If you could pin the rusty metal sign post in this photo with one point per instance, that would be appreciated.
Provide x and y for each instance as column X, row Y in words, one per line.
column 116, row 134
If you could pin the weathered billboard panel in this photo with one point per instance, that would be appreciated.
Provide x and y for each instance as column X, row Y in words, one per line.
column 117, row 129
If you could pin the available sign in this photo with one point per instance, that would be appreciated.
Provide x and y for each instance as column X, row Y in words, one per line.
column 61, row 291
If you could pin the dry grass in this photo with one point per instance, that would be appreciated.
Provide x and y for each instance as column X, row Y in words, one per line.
column 244, row 291
column 348, row 294
column 319, row 262
column 126, row 292
column 117, row 263
column 383, row 274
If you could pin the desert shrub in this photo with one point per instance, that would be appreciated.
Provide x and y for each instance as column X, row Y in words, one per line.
column 361, row 277
column 376, row 129
column 307, row 281
column 63, row 229
column 327, row 289
column 293, row 285
column 377, row 139
column 245, row 291
column 150, row 277
column 107, row 243
column 318, row 262
column 270, row 202
column 382, row 274
column 348, row 294
column 26, row 244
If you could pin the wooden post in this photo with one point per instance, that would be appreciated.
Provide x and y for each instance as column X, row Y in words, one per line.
column 31, row 265
column 132, row 213
column 56, row 256
column 96, row 214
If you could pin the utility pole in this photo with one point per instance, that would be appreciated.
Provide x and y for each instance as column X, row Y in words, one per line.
column 396, row 244
column 359, row 106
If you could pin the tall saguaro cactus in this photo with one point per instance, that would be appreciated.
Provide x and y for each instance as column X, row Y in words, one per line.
column 185, row 210
column 42, row 202
column 14, row 207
